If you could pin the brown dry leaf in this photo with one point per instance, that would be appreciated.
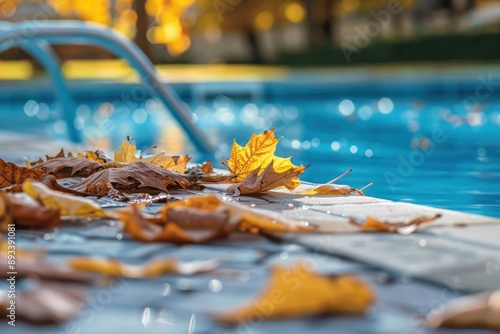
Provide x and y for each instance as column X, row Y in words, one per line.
column 136, row 175
column 207, row 168
column 208, row 175
column 51, row 182
column 155, row 230
column 26, row 213
column 373, row 224
column 198, row 219
column 298, row 291
column 185, row 214
column 69, row 167
column 34, row 266
column 474, row 311
column 44, row 304
column 269, row 178
column 154, row 268
column 332, row 189
column 47, row 157
column 126, row 154
column 12, row 174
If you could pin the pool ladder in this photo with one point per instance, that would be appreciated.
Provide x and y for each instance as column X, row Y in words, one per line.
column 36, row 38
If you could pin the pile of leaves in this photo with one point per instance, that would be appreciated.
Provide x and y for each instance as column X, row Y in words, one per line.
column 252, row 169
column 34, row 197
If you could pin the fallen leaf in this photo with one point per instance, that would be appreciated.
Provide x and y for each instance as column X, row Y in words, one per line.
column 206, row 173
column 154, row 268
column 198, row 219
column 332, row 189
column 156, row 230
column 67, row 205
column 40, row 160
column 298, row 291
column 12, row 174
column 373, row 224
column 26, row 213
column 256, row 158
column 30, row 265
column 174, row 163
column 126, row 154
column 257, row 153
column 137, row 175
column 100, row 156
column 269, row 178
column 185, row 214
column 69, row 167
column 44, row 304
column 207, row 168
column 473, row 311
column 51, row 182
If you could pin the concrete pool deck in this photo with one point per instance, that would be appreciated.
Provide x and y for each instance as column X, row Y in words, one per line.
column 412, row 274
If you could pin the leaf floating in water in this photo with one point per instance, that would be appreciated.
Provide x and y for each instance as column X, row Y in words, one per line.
column 298, row 291
column 373, row 224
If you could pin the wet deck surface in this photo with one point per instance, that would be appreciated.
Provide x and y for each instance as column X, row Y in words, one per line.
column 411, row 274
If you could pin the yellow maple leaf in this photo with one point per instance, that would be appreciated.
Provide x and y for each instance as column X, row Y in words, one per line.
column 298, row 291
column 257, row 155
column 126, row 154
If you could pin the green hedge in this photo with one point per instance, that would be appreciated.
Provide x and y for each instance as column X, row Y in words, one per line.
column 432, row 48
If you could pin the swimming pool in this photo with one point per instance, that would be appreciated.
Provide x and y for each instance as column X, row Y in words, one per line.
column 418, row 145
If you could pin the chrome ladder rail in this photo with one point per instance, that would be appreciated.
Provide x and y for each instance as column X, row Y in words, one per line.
column 36, row 39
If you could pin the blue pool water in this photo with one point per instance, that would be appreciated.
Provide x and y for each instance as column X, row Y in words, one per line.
column 432, row 150
column 413, row 151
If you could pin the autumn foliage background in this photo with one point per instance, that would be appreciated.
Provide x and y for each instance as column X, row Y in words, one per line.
column 255, row 31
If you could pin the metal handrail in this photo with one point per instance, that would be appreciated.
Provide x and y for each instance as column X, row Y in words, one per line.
column 27, row 34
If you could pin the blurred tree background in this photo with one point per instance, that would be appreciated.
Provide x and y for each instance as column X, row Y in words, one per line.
column 270, row 31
